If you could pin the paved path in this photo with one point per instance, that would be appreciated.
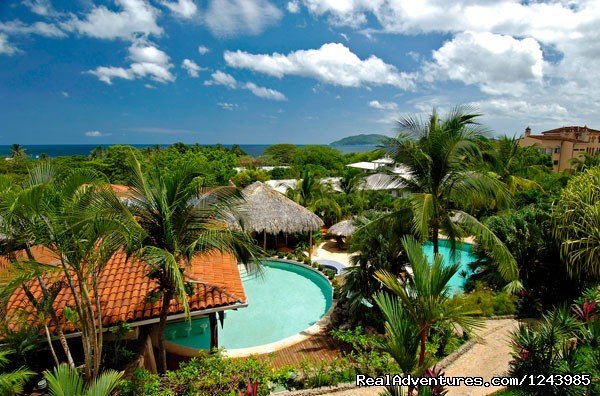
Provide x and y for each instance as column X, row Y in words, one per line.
column 489, row 357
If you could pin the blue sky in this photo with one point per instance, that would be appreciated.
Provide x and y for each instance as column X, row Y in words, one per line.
column 303, row 71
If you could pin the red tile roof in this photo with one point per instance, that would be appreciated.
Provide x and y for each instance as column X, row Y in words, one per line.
column 124, row 287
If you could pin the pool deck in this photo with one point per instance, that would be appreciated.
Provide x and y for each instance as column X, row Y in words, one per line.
column 319, row 347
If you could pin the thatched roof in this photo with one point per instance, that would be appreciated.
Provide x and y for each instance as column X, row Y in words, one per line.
column 343, row 228
column 267, row 210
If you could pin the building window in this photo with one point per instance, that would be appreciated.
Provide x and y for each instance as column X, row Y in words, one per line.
column 556, row 150
column 555, row 162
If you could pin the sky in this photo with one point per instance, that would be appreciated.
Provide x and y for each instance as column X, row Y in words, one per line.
column 300, row 71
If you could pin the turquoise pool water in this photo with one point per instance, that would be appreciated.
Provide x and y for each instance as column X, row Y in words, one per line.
column 284, row 300
column 463, row 255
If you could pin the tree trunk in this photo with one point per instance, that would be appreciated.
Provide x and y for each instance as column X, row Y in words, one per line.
column 423, row 338
column 164, row 312
column 50, row 345
column 214, row 331
column 53, row 317
column 435, row 237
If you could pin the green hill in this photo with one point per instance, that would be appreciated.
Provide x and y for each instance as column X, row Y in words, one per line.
column 360, row 140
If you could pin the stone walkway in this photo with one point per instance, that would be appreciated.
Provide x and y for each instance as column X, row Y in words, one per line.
column 489, row 357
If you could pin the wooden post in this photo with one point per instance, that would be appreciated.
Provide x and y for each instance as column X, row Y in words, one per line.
column 264, row 240
column 310, row 245
column 214, row 330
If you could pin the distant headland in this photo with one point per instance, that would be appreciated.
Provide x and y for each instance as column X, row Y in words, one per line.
column 360, row 140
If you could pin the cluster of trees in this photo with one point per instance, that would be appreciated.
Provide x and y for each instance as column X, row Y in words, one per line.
column 75, row 215
column 526, row 221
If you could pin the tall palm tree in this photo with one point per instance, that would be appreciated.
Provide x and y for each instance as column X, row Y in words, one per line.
column 181, row 219
column 425, row 299
column 441, row 156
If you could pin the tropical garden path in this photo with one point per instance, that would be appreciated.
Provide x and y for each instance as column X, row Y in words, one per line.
column 489, row 357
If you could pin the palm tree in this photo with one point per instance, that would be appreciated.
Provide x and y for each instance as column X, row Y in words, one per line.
column 425, row 299
column 376, row 245
column 65, row 380
column 181, row 220
column 17, row 151
column 12, row 383
column 80, row 220
column 506, row 159
column 585, row 161
column 441, row 155
column 314, row 195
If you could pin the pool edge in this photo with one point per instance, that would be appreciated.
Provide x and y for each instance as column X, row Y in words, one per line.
column 316, row 328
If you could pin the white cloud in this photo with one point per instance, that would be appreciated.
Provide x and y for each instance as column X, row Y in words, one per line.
column 227, row 105
column 17, row 27
column 65, row 94
column 383, row 105
column 203, row 50
column 227, row 80
column 182, row 8
column 40, row 7
column 191, row 67
column 5, row 47
column 94, row 134
column 265, row 93
column 234, row 17
column 333, row 63
column 497, row 63
column 134, row 17
column 222, row 78
column 293, row 6
column 147, row 61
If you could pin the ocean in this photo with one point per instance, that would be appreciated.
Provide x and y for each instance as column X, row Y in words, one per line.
column 60, row 150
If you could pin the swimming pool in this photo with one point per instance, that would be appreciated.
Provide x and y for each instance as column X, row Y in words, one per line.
column 283, row 301
column 463, row 255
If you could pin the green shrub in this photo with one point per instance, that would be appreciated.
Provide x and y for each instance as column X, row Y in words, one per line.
column 280, row 255
column 365, row 354
column 329, row 273
column 289, row 256
column 142, row 383
column 488, row 302
column 271, row 252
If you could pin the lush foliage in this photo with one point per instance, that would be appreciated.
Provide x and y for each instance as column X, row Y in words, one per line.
column 576, row 224
column 442, row 156
column 487, row 302
column 567, row 341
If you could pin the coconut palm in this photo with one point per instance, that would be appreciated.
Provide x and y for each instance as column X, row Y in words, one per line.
column 181, row 219
column 441, row 156
column 65, row 380
column 314, row 195
column 576, row 224
column 506, row 159
column 426, row 299
column 12, row 382
column 17, row 151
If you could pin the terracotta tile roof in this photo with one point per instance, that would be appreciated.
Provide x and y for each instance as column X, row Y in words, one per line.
column 124, row 286
column 121, row 191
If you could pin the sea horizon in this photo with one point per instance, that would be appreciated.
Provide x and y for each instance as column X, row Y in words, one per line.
column 62, row 150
